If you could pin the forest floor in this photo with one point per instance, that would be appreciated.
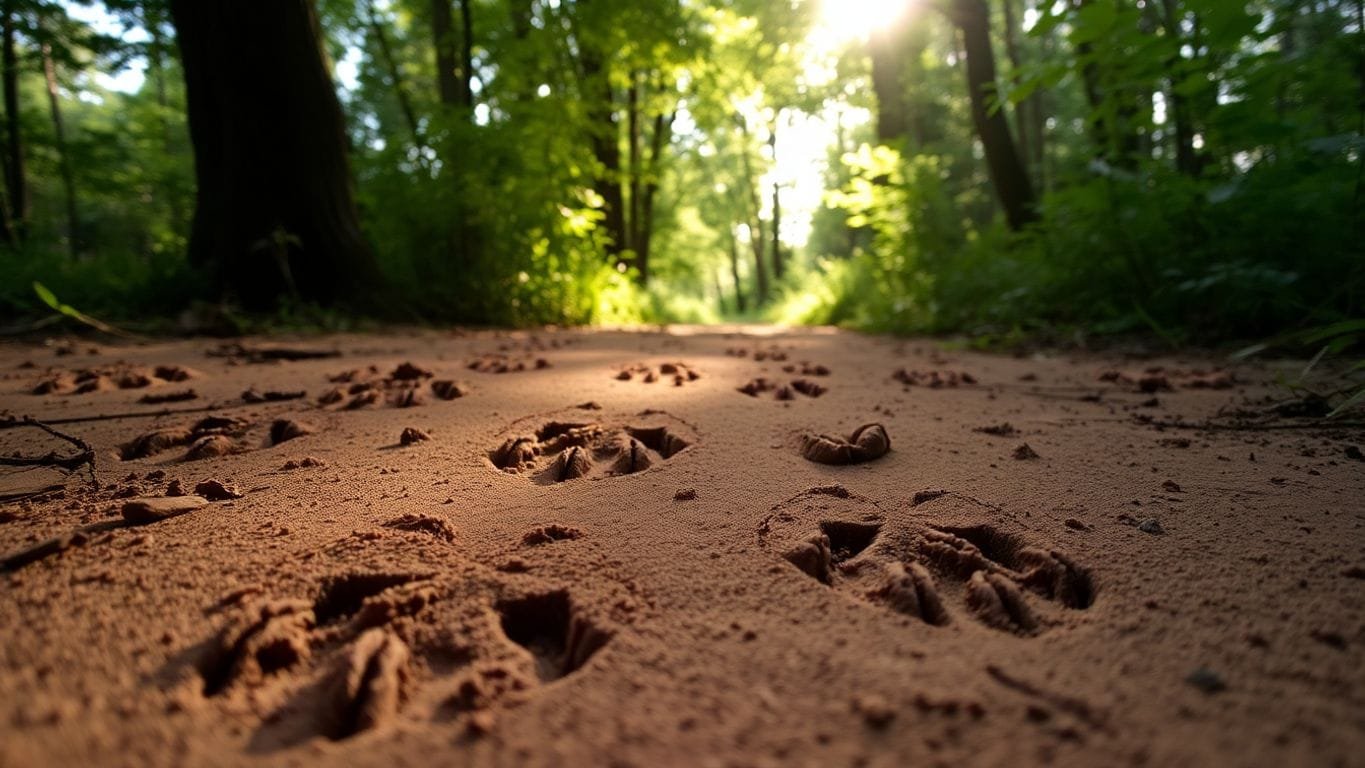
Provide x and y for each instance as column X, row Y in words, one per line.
column 593, row 549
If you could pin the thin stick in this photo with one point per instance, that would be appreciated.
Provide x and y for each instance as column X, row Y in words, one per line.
column 85, row 456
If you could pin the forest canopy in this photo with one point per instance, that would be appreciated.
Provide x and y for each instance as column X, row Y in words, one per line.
column 1187, row 168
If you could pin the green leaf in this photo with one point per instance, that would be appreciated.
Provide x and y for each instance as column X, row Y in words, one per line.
column 49, row 298
column 1348, row 403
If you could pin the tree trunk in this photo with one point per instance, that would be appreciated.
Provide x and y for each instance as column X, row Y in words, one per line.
column 275, row 213
column 1007, row 171
column 888, row 49
column 1186, row 161
column 447, row 60
column 633, row 154
column 73, row 222
column 734, row 272
column 604, row 136
column 153, row 16
column 778, row 267
column 16, row 178
column 1023, row 122
column 663, row 133
column 756, row 224
column 400, row 89
column 466, row 90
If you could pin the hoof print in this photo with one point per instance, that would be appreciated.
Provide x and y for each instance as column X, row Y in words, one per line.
column 559, row 451
column 996, row 601
column 210, row 447
column 845, row 542
column 514, row 454
column 370, row 683
column 631, row 456
column 261, row 639
column 812, row 558
column 867, row 442
column 343, row 596
column 910, row 589
column 553, row 631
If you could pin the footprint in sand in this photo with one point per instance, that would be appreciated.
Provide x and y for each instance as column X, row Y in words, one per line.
column 780, row 391
column 84, row 381
column 404, row 387
column 759, row 355
column 677, row 373
column 866, row 443
column 502, row 363
column 568, row 445
column 852, row 545
column 369, row 648
column 213, row 436
column 933, row 379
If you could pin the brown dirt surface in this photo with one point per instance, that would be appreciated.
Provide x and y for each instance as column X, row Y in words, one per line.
column 585, row 568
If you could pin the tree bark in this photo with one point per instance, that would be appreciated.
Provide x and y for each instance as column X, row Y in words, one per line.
column 16, row 178
column 73, row 222
column 1008, row 175
column 275, row 212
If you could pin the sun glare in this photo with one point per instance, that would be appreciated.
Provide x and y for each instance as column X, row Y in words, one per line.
column 846, row 20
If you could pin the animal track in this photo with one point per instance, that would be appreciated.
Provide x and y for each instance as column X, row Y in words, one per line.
column 559, row 638
column 781, row 391
column 101, row 378
column 848, row 543
column 678, row 373
column 759, row 355
column 501, row 363
column 372, row 648
column 404, row 387
column 211, row 437
column 867, row 442
column 933, row 379
column 573, row 447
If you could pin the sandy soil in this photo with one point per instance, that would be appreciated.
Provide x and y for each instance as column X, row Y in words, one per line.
column 614, row 557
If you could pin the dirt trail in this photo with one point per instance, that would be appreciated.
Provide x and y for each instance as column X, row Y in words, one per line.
column 685, row 548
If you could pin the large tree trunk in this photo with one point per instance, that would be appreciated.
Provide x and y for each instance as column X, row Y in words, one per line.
column 275, row 213
column 73, row 222
column 1008, row 175
column 16, row 178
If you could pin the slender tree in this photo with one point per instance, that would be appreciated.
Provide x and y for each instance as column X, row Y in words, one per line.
column 16, row 178
column 73, row 223
column 275, row 213
column 1008, row 175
